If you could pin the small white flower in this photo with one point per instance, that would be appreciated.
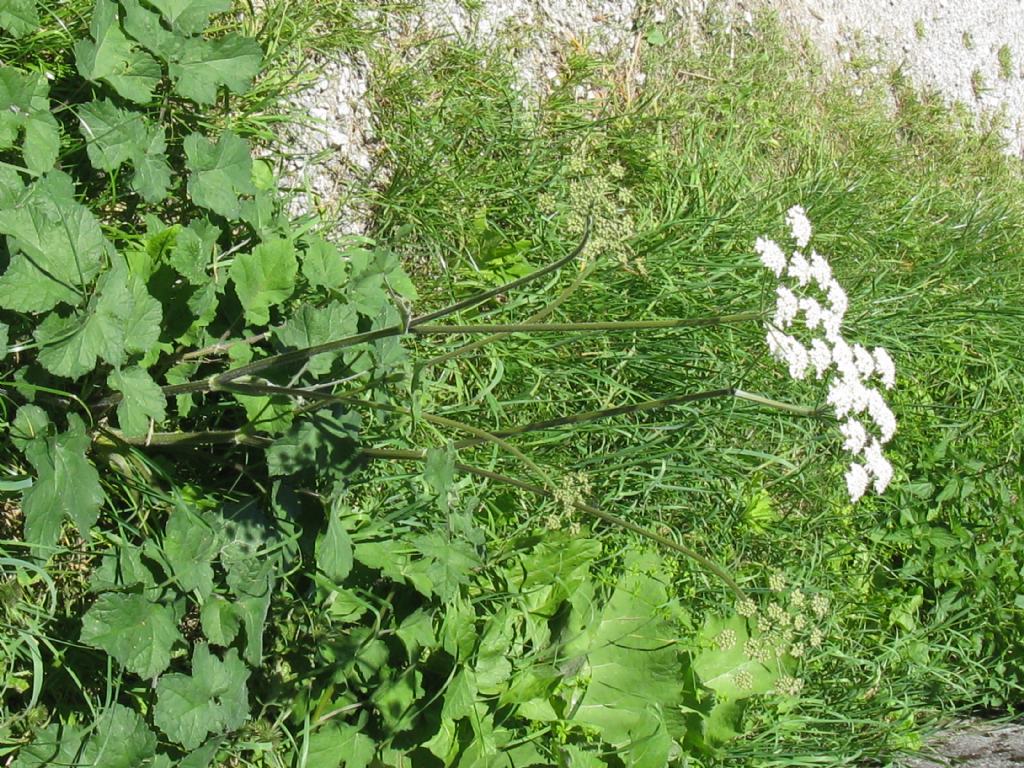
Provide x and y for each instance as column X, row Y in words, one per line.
column 788, row 350
column 820, row 271
column 863, row 360
column 847, row 395
column 786, row 307
column 855, row 434
column 813, row 312
column 771, row 255
column 878, row 466
column 832, row 324
column 856, row 481
column 837, row 299
column 799, row 225
column 885, row 367
column 820, row 356
column 842, row 356
column 799, row 268
column 882, row 415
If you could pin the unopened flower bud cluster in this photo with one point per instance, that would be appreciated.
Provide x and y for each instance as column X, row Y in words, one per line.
column 807, row 287
column 790, row 625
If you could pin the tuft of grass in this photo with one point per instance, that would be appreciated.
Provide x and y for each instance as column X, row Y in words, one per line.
column 919, row 30
column 1005, row 58
column 921, row 217
column 977, row 83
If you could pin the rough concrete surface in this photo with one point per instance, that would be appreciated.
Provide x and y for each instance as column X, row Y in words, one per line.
column 975, row 745
column 971, row 51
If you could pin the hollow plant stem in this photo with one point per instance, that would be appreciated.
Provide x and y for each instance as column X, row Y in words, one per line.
column 710, row 565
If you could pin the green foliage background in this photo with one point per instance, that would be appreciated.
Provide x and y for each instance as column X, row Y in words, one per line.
column 243, row 523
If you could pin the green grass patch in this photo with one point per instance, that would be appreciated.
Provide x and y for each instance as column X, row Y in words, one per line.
column 269, row 502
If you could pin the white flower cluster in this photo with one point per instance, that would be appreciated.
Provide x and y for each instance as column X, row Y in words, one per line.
column 823, row 303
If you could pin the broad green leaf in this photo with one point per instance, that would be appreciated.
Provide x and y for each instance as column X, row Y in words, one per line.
column 54, row 745
column 121, row 740
column 439, row 474
column 112, row 134
column 25, row 108
column 582, row 758
column 219, row 173
column 264, row 278
column 57, row 247
column 635, row 689
column 67, row 484
column 111, row 57
column 121, row 567
column 334, row 550
column 726, row 668
column 70, row 346
column 202, row 66
column 19, row 17
column 323, row 265
column 190, row 546
column 115, row 136
column 446, row 563
column 336, row 744
column 146, row 28
column 193, row 251
column 202, row 757
column 137, row 632
column 142, row 401
column 554, row 570
column 460, row 696
column 213, row 699
column 416, row 632
column 153, row 176
column 310, row 326
column 124, row 296
column 396, row 698
column 189, row 17
column 458, row 629
column 272, row 415
column 121, row 320
column 250, row 558
column 220, row 621
column 30, row 423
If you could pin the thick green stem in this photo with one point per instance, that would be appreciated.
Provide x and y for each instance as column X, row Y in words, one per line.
column 536, row 317
column 606, row 413
column 799, row 410
column 710, row 565
column 323, row 398
column 190, row 439
column 608, row 326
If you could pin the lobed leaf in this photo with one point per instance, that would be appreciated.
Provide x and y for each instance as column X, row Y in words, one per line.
column 201, row 66
column 213, row 699
column 264, row 278
column 189, row 17
column 142, row 403
column 66, row 485
column 218, row 173
column 113, row 58
column 57, row 247
column 137, row 632
column 19, row 17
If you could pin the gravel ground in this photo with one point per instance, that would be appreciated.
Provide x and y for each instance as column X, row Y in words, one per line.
column 975, row 745
column 971, row 51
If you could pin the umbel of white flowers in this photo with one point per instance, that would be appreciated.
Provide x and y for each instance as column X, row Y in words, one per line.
column 807, row 287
